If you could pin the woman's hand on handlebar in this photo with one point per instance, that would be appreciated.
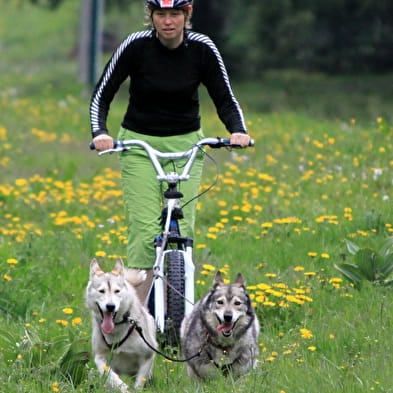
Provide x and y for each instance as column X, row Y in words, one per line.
column 242, row 140
column 103, row 142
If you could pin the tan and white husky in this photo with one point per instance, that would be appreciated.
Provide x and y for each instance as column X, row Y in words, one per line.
column 116, row 310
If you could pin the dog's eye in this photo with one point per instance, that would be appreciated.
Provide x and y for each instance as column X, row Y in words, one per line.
column 117, row 290
column 237, row 303
column 101, row 291
column 220, row 302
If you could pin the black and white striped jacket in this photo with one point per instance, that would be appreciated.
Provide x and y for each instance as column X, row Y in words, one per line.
column 163, row 88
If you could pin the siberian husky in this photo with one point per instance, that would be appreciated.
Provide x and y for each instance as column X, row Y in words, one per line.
column 116, row 311
column 222, row 331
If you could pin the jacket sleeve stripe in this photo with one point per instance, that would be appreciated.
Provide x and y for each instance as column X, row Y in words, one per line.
column 193, row 36
column 98, row 107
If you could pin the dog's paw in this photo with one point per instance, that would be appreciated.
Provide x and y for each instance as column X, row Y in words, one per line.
column 135, row 276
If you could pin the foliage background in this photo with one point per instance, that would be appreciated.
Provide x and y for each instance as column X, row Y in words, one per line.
column 339, row 36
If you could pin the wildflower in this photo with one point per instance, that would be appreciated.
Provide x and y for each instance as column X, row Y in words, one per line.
column 306, row 334
column 12, row 261
column 295, row 299
column 262, row 286
column 298, row 268
column 76, row 321
column 100, row 254
column 312, row 254
column 6, row 277
column 68, row 310
column 260, row 299
column 210, row 268
column 325, row 255
column 55, row 387
column 62, row 322
column 20, row 182
column 312, row 348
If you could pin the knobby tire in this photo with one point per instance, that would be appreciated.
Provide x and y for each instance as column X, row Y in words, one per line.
column 175, row 273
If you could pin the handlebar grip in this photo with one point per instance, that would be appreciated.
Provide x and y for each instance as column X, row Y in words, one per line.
column 227, row 142
column 115, row 144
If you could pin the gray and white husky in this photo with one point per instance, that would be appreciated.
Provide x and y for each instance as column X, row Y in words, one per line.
column 116, row 311
column 222, row 331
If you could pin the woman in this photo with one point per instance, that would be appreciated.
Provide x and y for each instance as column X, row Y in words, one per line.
column 165, row 64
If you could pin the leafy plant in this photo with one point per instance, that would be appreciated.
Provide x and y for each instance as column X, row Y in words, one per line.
column 370, row 265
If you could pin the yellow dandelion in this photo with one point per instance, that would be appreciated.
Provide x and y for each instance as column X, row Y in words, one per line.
column 76, row 321
column 306, row 333
column 12, row 261
column 210, row 268
column 298, row 268
column 68, row 310
column 263, row 286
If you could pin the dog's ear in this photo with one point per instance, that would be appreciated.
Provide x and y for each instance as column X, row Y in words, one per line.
column 218, row 280
column 95, row 269
column 118, row 270
column 240, row 281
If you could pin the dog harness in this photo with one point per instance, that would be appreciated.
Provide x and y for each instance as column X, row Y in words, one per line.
column 114, row 346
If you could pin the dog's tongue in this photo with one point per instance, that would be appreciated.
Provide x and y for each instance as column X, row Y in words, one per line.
column 107, row 324
column 224, row 328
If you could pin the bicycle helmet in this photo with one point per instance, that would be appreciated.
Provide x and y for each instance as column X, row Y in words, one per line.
column 182, row 4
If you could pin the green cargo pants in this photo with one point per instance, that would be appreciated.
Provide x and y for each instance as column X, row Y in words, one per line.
column 142, row 193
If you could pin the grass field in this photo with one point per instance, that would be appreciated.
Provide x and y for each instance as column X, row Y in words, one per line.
column 319, row 174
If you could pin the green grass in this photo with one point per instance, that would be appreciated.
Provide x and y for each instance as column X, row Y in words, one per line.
column 320, row 173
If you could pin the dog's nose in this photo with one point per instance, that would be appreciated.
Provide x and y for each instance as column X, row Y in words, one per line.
column 228, row 317
column 110, row 307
